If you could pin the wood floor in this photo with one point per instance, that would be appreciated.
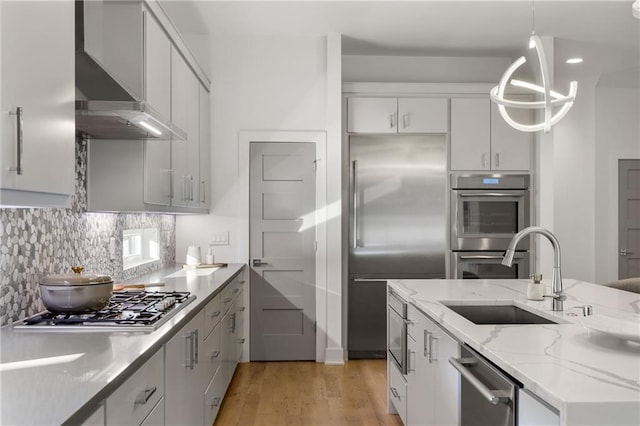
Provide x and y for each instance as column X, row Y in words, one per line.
column 308, row 393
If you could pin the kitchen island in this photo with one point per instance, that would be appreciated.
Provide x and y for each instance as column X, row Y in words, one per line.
column 586, row 376
column 62, row 377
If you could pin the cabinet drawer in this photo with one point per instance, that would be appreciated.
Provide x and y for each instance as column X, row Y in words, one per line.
column 136, row 397
column 416, row 323
column 212, row 353
column 230, row 292
column 213, row 398
column 213, row 314
column 398, row 392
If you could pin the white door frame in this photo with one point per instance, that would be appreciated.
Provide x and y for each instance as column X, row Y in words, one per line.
column 320, row 215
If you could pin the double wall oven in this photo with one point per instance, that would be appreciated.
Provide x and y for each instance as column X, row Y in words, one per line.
column 487, row 210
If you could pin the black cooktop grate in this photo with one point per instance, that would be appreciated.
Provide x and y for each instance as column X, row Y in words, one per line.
column 137, row 309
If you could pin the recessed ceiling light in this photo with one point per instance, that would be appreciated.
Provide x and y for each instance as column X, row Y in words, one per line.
column 574, row 60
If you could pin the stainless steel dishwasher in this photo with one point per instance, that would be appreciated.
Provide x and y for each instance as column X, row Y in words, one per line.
column 487, row 395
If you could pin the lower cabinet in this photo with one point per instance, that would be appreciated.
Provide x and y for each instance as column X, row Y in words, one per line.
column 432, row 395
column 184, row 375
column 137, row 399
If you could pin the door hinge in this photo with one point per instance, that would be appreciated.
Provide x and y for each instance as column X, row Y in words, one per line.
column 315, row 246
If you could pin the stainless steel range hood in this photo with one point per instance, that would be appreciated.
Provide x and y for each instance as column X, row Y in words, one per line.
column 109, row 75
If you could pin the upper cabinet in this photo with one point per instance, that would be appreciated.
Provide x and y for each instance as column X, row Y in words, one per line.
column 482, row 140
column 397, row 115
column 37, row 95
column 169, row 173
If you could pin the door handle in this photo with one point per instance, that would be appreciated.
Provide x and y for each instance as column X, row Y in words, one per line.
column 258, row 262
column 19, row 140
column 624, row 252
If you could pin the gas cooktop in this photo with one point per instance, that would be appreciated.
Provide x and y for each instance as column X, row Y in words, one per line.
column 127, row 311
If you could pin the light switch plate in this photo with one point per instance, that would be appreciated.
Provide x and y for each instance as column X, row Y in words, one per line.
column 220, row 238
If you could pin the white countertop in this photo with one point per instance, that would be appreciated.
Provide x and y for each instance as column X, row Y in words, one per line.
column 589, row 376
column 48, row 377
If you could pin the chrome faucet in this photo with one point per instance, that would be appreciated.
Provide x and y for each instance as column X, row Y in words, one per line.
column 556, row 278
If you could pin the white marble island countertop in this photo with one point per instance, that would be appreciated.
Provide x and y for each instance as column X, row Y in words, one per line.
column 592, row 378
column 59, row 377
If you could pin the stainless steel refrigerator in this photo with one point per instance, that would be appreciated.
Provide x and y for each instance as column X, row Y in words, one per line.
column 397, row 226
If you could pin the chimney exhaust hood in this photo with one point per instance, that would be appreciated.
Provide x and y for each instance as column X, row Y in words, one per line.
column 109, row 70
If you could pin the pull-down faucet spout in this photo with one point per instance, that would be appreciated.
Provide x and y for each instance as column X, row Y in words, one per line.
column 556, row 278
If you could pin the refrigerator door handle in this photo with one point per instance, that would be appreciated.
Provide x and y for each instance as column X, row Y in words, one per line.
column 354, row 168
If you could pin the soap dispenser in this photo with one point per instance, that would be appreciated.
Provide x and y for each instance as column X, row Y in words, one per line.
column 535, row 289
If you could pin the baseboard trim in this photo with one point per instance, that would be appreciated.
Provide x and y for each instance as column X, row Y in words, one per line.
column 334, row 356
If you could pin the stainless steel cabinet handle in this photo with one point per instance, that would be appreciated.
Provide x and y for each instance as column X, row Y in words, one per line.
column 215, row 314
column 189, row 349
column 228, row 299
column 426, row 343
column 432, row 357
column 406, row 120
column 497, row 159
column 241, row 341
column 484, row 160
column 145, row 395
column 196, row 349
column 19, row 140
column 411, row 365
column 395, row 392
column 494, row 397
column 215, row 354
column 202, row 195
column 354, row 169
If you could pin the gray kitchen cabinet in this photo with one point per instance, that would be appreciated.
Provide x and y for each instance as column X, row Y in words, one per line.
column 137, row 397
column 184, row 374
column 432, row 383
column 37, row 94
column 482, row 140
column 397, row 115
column 185, row 108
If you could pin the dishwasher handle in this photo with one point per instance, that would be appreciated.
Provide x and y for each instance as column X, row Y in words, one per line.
column 493, row 396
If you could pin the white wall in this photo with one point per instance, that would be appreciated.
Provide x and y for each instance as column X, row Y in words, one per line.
column 422, row 69
column 617, row 112
column 269, row 83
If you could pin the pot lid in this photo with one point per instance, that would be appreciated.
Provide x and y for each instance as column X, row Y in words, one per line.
column 76, row 278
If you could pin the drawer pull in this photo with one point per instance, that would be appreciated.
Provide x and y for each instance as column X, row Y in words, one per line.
column 242, row 308
column 215, row 401
column 215, row 354
column 228, row 299
column 215, row 314
column 241, row 340
column 395, row 393
column 235, row 290
column 145, row 395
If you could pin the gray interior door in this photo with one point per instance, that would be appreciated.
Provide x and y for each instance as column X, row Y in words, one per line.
column 629, row 218
column 282, row 251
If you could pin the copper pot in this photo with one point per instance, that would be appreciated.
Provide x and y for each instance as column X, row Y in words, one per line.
column 77, row 292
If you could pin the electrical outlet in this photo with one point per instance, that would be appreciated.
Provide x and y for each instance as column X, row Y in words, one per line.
column 112, row 248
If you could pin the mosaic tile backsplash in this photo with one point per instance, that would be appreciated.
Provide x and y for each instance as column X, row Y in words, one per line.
column 38, row 242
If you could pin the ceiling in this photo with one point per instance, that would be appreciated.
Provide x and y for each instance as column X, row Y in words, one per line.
column 428, row 28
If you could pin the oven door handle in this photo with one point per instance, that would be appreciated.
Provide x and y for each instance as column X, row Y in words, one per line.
column 493, row 396
column 490, row 194
column 484, row 256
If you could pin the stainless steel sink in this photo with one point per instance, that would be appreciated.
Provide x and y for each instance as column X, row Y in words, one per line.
column 498, row 314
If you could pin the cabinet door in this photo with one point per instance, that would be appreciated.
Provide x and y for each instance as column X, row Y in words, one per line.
column 158, row 175
column 157, row 66
column 37, row 75
column 420, row 408
column 510, row 148
column 185, row 105
column 186, row 383
column 470, row 134
column 423, row 115
column 372, row 115
column 446, row 380
column 204, row 181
